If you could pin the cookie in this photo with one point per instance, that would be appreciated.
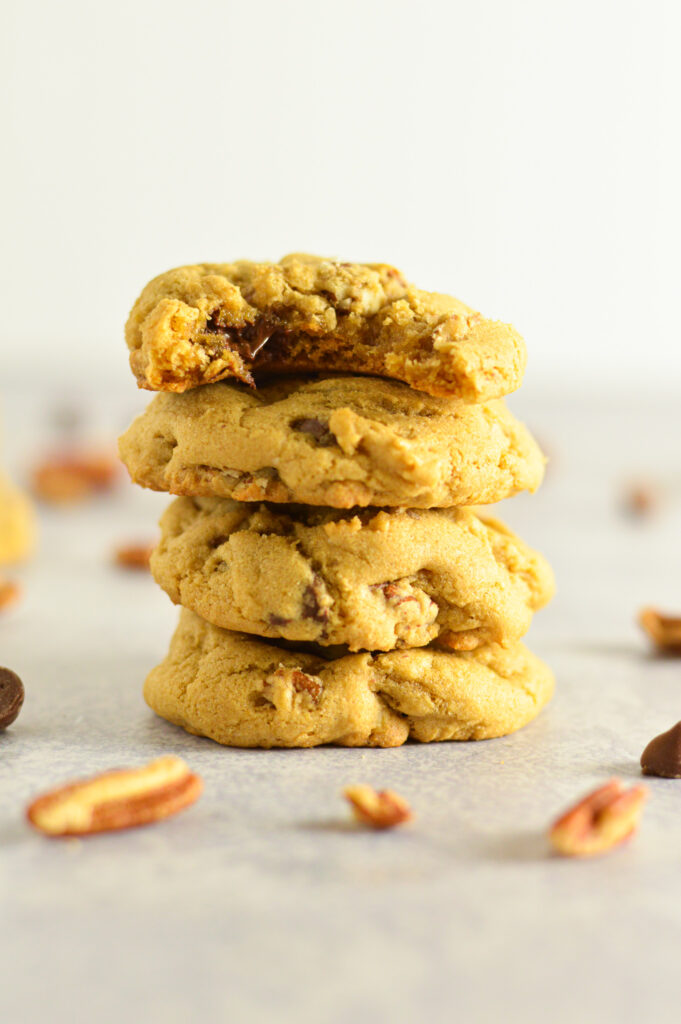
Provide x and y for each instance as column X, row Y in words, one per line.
column 368, row 579
column 199, row 324
column 244, row 692
column 17, row 524
column 339, row 441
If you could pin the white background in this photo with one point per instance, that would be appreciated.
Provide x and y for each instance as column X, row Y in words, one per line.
column 523, row 155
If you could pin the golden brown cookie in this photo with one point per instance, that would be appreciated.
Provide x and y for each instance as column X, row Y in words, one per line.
column 244, row 692
column 339, row 441
column 17, row 524
column 199, row 324
column 368, row 579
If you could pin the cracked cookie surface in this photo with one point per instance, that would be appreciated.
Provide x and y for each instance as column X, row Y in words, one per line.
column 339, row 441
column 244, row 692
column 198, row 324
column 367, row 579
column 17, row 523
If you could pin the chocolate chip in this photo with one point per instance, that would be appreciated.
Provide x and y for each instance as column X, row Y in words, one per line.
column 11, row 696
column 247, row 340
column 312, row 608
column 278, row 620
column 662, row 756
column 316, row 429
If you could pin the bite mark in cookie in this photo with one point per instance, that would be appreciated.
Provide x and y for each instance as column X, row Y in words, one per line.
column 199, row 324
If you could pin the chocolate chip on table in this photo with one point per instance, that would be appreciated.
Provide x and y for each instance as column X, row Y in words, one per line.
column 316, row 429
column 11, row 696
column 662, row 756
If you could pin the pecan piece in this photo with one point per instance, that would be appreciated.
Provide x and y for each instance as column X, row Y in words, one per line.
column 663, row 630
column 600, row 821
column 280, row 686
column 377, row 808
column 117, row 799
column 73, row 476
column 133, row 556
column 394, row 594
column 303, row 683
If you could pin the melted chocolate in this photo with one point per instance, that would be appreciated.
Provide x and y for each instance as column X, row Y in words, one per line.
column 248, row 340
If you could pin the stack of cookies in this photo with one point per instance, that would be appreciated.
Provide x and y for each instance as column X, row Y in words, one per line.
column 336, row 583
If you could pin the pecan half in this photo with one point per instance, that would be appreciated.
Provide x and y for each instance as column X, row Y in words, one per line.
column 600, row 821
column 663, row 630
column 73, row 476
column 117, row 799
column 377, row 808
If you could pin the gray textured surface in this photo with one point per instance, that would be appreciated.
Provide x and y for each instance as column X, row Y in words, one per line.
column 261, row 902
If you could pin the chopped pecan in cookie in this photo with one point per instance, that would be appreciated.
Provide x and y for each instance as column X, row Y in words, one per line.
column 378, row 809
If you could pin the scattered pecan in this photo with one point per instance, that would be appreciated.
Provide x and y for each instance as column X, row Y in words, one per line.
column 10, row 593
column 73, row 476
column 641, row 498
column 133, row 556
column 117, row 799
column 663, row 630
column 600, row 821
column 377, row 808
